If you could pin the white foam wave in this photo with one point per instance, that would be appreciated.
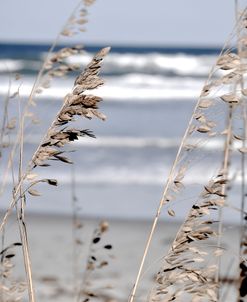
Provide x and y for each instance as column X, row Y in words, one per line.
column 128, row 87
column 139, row 142
column 119, row 175
column 150, row 87
column 107, row 176
column 9, row 65
column 180, row 64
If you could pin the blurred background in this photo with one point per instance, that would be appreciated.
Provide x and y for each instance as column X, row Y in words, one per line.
column 161, row 55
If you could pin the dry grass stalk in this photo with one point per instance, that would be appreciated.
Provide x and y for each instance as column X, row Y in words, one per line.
column 54, row 65
column 187, row 273
column 96, row 261
column 4, row 119
column 41, row 82
column 203, row 126
column 20, row 210
column 75, row 103
column 89, row 2
column 10, row 289
column 37, row 82
column 68, row 135
column 242, row 282
column 48, row 147
column 77, row 227
column 8, row 128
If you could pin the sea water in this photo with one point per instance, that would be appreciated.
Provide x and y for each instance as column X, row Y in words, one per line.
column 148, row 97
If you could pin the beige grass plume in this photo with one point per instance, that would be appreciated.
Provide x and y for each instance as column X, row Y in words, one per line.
column 75, row 104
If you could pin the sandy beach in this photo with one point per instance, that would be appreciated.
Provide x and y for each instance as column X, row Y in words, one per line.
column 53, row 256
column 52, row 251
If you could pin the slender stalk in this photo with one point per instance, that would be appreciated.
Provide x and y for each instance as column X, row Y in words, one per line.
column 169, row 181
column 19, row 136
column 226, row 293
column 74, row 233
column 25, row 249
column 5, row 115
column 55, row 42
column 226, row 162
column 20, row 211
column 155, row 221
column 243, row 225
column 24, row 174
column 162, row 201
column 2, row 296
column 225, row 169
column 243, row 156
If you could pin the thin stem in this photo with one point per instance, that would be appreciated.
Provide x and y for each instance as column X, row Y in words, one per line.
column 155, row 221
column 243, row 225
column 168, row 183
column 20, row 211
column 225, row 170
column 162, row 201
column 19, row 137
column 243, row 156
column 74, row 233
column 5, row 115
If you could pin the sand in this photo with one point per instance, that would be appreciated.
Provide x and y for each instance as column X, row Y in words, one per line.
column 52, row 253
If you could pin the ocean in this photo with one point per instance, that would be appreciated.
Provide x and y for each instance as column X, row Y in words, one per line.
column 148, row 97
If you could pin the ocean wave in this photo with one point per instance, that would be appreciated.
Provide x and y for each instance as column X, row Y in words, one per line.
column 127, row 87
column 118, row 175
column 158, row 63
column 137, row 142
column 178, row 64
column 12, row 65
column 8, row 65
column 130, row 166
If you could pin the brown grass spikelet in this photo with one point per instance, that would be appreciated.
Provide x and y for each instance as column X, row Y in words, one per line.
column 88, row 2
column 75, row 104
column 184, row 271
column 10, row 288
column 98, row 259
column 230, row 98
column 228, row 61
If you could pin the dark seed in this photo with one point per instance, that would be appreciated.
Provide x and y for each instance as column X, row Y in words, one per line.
column 52, row 182
column 10, row 256
column 108, row 246
column 195, row 207
column 243, row 287
column 96, row 240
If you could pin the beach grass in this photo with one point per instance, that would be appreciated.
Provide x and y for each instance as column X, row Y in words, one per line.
column 189, row 262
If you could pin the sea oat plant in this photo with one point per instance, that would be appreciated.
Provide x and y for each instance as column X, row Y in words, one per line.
column 10, row 288
column 75, row 103
column 192, row 267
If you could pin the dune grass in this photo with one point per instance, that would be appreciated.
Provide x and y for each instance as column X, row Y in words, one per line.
column 191, row 269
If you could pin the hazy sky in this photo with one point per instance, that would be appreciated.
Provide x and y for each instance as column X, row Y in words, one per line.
column 162, row 22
